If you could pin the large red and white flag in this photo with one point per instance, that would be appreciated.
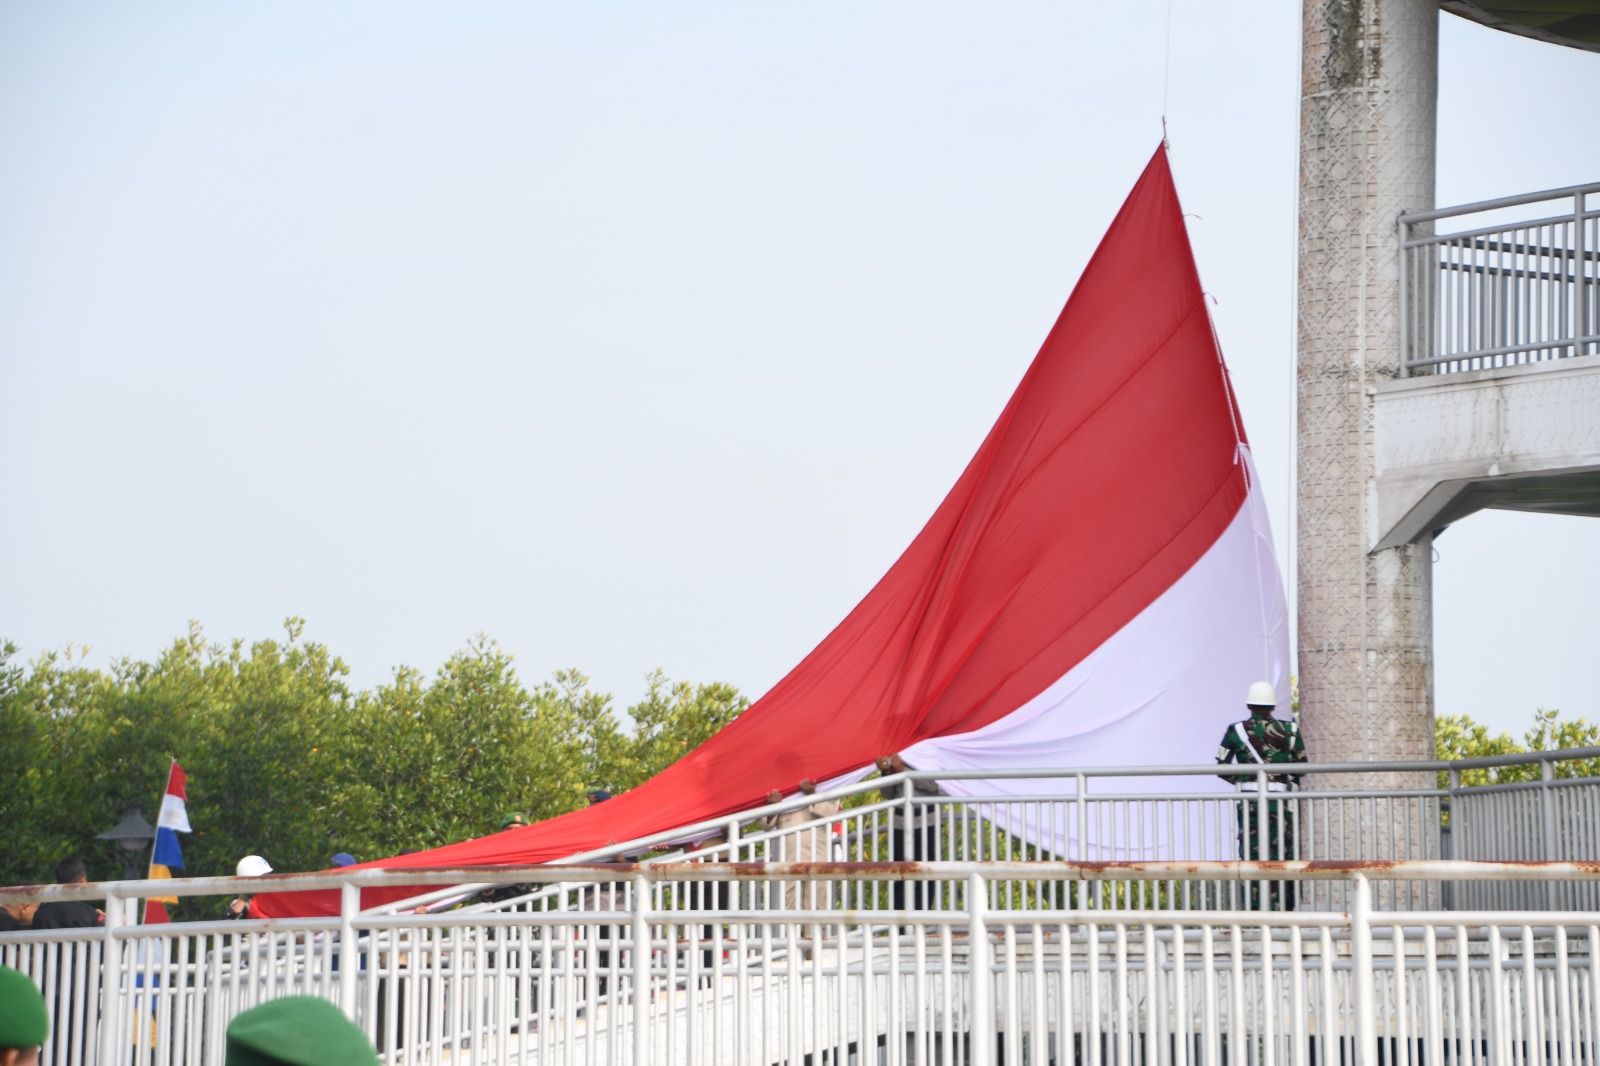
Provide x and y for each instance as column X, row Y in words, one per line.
column 1097, row 590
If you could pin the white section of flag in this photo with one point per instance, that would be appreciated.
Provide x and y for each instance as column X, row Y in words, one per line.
column 174, row 814
column 1160, row 692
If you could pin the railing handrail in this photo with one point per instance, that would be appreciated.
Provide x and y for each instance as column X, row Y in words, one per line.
column 1475, row 238
column 674, row 872
column 583, row 867
column 723, row 823
column 1251, row 769
column 1202, row 770
column 1565, row 192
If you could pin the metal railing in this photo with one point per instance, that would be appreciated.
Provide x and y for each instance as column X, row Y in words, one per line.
column 670, row 980
column 1501, row 292
column 1117, row 814
column 538, row 968
column 1533, row 821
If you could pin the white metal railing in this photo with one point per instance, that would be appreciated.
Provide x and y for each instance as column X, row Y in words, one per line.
column 1498, row 291
column 1117, row 815
column 670, row 980
column 1535, row 821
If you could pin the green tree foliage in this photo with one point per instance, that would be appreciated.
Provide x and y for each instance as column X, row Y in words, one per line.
column 672, row 720
column 1457, row 736
column 287, row 761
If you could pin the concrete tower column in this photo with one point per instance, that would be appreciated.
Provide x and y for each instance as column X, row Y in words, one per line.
column 1367, row 117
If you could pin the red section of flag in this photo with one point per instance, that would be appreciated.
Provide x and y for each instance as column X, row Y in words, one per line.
column 177, row 783
column 1112, row 469
column 155, row 912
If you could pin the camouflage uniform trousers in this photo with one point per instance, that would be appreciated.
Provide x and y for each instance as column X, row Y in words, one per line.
column 1272, row 841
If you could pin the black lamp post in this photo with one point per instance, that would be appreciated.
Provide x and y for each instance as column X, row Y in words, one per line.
column 133, row 834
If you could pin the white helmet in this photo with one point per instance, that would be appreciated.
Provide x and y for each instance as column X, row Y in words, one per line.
column 1261, row 694
column 252, row 866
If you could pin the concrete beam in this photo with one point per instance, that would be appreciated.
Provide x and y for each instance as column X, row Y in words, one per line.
column 1521, row 438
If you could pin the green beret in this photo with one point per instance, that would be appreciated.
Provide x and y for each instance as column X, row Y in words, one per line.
column 23, row 1021
column 297, row 1031
column 514, row 816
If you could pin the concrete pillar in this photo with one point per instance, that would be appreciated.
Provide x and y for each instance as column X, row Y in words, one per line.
column 1367, row 117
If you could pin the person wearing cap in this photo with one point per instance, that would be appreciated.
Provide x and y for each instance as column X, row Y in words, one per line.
column 513, row 820
column 1262, row 740
column 249, row 866
column 297, row 1031
column 24, row 1022
column 598, row 795
column 342, row 859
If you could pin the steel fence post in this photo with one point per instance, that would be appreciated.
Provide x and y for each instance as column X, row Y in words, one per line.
column 1361, row 949
column 1082, row 799
column 1580, row 276
column 907, row 849
column 1547, row 814
column 1404, row 262
column 1263, row 842
column 736, row 888
column 641, row 970
column 111, row 1005
column 983, row 1021
column 1452, row 839
column 349, row 955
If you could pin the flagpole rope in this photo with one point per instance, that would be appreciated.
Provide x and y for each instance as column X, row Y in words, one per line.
column 1240, row 451
column 1166, row 74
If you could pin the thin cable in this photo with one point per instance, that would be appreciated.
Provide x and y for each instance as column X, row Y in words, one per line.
column 1166, row 74
column 1291, row 487
column 1291, row 497
column 1254, row 504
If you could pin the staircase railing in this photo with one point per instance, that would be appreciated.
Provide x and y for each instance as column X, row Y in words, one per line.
column 1508, row 284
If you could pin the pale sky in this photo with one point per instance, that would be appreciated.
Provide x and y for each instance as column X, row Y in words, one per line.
column 639, row 335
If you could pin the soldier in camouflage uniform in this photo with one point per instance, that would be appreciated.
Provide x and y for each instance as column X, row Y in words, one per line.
column 1262, row 739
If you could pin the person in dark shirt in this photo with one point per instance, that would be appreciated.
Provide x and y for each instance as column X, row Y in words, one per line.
column 71, row 913
column 914, row 835
column 68, row 914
